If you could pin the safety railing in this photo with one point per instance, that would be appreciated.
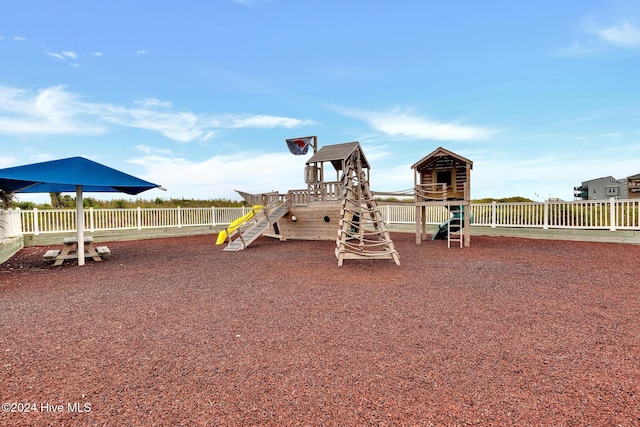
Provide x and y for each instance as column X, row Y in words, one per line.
column 38, row 221
column 609, row 214
column 428, row 192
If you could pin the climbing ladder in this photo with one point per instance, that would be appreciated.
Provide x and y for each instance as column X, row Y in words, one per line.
column 454, row 230
column 265, row 218
column 362, row 233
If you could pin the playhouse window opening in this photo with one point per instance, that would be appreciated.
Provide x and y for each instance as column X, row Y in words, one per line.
column 444, row 177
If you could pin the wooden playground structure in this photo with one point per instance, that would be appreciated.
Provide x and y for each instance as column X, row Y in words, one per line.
column 338, row 204
column 341, row 208
column 443, row 178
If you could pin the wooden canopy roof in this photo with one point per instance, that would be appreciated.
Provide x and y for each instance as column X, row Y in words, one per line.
column 337, row 154
column 441, row 152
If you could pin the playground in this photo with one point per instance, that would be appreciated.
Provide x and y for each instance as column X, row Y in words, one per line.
column 176, row 331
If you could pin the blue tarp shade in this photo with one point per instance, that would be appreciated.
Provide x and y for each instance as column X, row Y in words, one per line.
column 68, row 175
column 65, row 174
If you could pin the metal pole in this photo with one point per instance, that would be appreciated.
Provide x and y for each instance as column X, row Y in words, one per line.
column 80, row 225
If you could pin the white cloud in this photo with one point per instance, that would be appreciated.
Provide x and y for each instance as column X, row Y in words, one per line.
column 543, row 177
column 179, row 126
column 20, row 39
column 48, row 111
column 56, row 111
column 624, row 34
column 396, row 179
column 220, row 176
column 263, row 121
column 217, row 177
column 64, row 56
column 147, row 150
column 402, row 123
column 68, row 56
column 54, row 55
column 153, row 102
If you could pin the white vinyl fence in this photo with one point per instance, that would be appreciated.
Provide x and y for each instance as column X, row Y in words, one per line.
column 9, row 224
column 609, row 214
column 38, row 221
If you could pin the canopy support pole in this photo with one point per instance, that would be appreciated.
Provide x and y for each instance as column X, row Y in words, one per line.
column 80, row 223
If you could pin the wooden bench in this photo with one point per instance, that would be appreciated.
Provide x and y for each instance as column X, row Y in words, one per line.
column 68, row 252
column 103, row 250
column 70, row 240
column 51, row 254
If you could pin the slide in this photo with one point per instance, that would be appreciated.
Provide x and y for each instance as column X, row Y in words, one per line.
column 222, row 236
column 455, row 222
column 443, row 229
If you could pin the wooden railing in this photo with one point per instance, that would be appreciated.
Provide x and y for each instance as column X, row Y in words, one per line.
column 331, row 190
column 262, row 199
column 430, row 192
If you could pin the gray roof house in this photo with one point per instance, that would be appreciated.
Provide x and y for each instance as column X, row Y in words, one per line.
column 602, row 189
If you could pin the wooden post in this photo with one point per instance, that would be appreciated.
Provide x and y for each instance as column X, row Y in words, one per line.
column 467, row 215
column 418, row 226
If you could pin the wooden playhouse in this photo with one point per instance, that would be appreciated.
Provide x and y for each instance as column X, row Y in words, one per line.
column 443, row 178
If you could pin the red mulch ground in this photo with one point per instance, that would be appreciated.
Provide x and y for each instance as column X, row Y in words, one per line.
column 177, row 332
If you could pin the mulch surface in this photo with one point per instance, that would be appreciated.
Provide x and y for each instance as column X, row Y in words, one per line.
column 177, row 332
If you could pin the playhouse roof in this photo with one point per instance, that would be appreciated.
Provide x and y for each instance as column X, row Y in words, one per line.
column 338, row 153
column 442, row 152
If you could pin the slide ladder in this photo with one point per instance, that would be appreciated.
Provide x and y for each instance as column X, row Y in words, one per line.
column 363, row 233
column 452, row 230
column 257, row 226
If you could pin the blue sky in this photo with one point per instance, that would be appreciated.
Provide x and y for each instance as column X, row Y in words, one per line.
column 200, row 95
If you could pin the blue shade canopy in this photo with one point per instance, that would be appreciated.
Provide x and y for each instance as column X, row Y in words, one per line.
column 65, row 174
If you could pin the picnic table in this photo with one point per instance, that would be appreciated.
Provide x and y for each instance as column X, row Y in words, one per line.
column 70, row 251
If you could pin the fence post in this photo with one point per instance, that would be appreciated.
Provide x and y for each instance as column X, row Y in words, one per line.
column 139, row 218
column 494, row 208
column 612, row 214
column 91, row 222
column 36, row 226
column 545, row 225
column 16, row 222
column 179, row 217
column 213, row 216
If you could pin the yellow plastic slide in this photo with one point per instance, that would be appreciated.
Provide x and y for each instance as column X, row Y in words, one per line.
column 222, row 236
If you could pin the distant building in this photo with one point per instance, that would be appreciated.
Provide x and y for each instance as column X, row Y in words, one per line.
column 633, row 186
column 607, row 187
